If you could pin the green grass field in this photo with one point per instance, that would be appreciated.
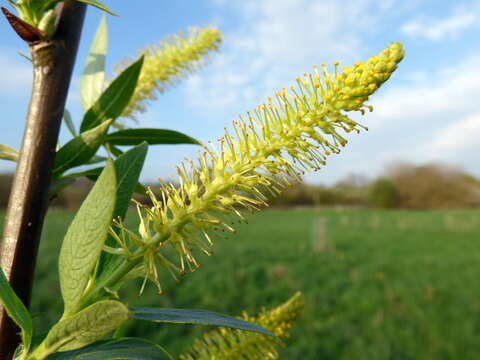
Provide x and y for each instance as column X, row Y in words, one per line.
column 377, row 285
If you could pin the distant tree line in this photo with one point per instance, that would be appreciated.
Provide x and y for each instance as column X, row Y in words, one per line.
column 402, row 185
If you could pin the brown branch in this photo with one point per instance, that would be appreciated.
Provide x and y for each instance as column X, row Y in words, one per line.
column 52, row 70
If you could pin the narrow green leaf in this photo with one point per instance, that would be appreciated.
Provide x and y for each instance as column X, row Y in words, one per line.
column 47, row 4
column 17, row 354
column 114, row 150
column 89, row 325
column 85, row 237
column 128, row 167
column 93, row 77
column 193, row 316
column 16, row 310
column 114, row 99
column 126, row 348
column 98, row 5
column 80, row 149
column 151, row 136
column 7, row 153
column 92, row 174
column 140, row 189
column 67, row 118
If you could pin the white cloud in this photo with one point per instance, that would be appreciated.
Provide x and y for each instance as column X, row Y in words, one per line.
column 433, row 118
column 275, row 41
column 433, row 96
column 460, row 20
column 454, row 139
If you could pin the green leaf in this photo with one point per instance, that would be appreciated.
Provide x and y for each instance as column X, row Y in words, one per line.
column 92, row 174
column 140, row 189
column 151, row 136
column 98, row 5
column 80, row 149
column 83, row 328
column 128, row 167
column 114, row 99
column 16, row 310
column 85, row 237
column 7, row 153
column 126, row 348
column 114, row 150
column 93, row 77
column 19, row 351
column 193, row 316
column 67, row 118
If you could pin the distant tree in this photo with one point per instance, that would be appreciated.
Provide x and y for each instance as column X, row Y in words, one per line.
column 433, row 186
column 296, row 195
column 383, row 194
column 326, row 196
column 351, row 190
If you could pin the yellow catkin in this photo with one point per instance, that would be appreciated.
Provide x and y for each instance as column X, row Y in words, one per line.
column 223, row 344
column 264, row 151
column 169, row 61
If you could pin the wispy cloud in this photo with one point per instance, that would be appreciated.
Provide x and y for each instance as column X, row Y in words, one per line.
column 462, row 18
column 276, row 39
column 274, row 42
column 435, row 97
column 454, row 140
column 434, row 118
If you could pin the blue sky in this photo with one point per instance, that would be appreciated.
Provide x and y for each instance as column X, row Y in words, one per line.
column 428, row 111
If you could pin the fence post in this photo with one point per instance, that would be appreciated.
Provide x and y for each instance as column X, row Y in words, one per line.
column 319, row 240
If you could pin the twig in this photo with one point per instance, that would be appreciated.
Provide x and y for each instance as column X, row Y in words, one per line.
column 52, row 69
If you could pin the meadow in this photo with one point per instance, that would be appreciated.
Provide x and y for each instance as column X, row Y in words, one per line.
column 377, row 284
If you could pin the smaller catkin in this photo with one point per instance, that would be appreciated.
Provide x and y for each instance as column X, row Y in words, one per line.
column 168, row 62
column 223, row 344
